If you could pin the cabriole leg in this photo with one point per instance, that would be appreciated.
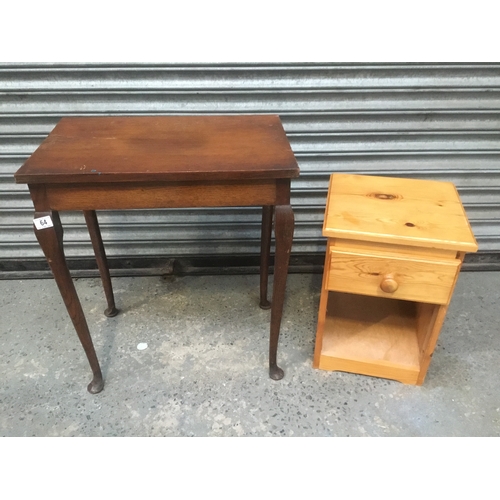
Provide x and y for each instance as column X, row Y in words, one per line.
column 102, row 261
column 283, row 230
column 50, row 237
column 265, row 251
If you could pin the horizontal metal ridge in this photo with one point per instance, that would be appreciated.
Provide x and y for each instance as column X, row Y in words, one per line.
column 293, row 122
column 278, row 91
column 340, row 134
column 241, row 104
column 247, row 75
column 360, row 154
column 288, row 115
column 263, row 65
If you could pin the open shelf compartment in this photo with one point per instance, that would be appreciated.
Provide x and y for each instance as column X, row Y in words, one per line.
column 374, row 336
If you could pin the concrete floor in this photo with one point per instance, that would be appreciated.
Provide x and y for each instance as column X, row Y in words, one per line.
column 204, row 372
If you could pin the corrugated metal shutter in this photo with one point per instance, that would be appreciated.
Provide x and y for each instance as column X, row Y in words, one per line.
column 433, row 121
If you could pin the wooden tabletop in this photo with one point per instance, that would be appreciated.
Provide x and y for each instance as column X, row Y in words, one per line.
column 161, row 148
column 390, row 210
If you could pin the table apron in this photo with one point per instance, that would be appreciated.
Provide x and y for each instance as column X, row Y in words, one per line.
column 171, row 195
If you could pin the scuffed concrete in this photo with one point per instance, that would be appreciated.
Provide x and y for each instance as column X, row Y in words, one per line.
column 204, row 372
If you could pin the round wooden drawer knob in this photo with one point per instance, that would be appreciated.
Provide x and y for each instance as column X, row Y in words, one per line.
column 389, row 284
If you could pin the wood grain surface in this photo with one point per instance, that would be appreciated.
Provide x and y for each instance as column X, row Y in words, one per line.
column 390, row 210
column 371, row 336
column 168, row 148
column 419, row 280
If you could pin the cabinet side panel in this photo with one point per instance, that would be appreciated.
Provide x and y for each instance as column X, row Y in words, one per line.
column 322, row 310
column 435, row 329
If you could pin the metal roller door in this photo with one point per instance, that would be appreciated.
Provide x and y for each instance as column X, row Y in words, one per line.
column 429, row 121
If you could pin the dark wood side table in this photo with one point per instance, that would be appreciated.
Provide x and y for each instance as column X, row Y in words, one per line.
column 161, row 162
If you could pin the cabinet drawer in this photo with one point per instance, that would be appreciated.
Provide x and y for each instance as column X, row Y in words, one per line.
column 399, row 278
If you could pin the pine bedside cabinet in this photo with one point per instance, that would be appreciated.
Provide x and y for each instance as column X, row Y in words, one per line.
column 394, row 252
